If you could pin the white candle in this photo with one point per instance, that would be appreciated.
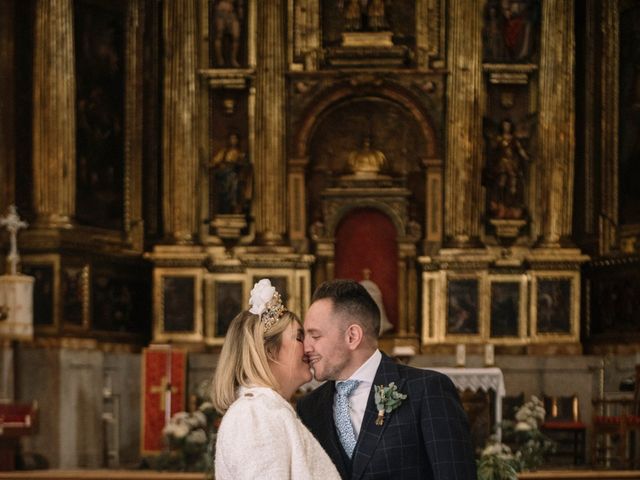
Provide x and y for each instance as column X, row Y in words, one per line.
column 461, row 353
column 489, row 358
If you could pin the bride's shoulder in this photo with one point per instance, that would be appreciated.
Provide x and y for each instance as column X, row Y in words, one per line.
column 252, row 399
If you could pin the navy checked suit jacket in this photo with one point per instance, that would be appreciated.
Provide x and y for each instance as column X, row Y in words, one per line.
column 426, row 437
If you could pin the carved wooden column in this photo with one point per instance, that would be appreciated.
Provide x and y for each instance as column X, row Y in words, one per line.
column 556, row 120
column 608, row 219
column 54, row 115
column 464, row 135
column 179, row 149
column 270, row 167
column 7, row 106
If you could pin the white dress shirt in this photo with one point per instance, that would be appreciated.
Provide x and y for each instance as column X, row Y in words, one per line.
column 358, row 399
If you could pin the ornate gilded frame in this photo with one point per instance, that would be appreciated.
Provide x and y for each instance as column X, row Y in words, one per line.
column 212, row 305
column 522, row 283
column 571, row 336
column 160, row 334
column 53, row 261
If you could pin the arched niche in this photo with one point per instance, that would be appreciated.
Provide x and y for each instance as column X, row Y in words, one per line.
column 336, row 123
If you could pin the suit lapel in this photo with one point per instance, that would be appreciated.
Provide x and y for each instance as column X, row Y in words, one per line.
column 370, row 433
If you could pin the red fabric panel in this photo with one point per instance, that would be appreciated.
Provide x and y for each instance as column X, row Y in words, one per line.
column 156, row 370
column 366, row 238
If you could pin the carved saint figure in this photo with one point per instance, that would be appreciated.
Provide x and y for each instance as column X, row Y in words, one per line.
column 509, row 29
column 231, row 178
column 367, row 161
column 504, row 176
column 376, row 294
column 227, row 17
column 362, row 15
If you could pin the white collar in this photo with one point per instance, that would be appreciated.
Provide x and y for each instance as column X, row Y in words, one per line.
column 367, row 371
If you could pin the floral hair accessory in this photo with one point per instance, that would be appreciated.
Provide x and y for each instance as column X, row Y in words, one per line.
column 387, row 399
column 265, row 301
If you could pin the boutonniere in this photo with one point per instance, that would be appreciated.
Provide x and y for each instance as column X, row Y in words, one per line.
column 387, row 399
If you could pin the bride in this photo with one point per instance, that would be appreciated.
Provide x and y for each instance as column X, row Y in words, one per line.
column 261, row 366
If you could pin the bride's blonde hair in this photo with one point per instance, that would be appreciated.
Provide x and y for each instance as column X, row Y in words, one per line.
column 245, row 354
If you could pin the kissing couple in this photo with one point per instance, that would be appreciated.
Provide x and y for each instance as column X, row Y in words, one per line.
column 371, row 418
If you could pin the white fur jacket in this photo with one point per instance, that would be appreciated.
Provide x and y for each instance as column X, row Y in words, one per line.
column 261, row 437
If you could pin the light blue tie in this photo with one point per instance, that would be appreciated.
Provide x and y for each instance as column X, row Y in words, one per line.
column 341, row 415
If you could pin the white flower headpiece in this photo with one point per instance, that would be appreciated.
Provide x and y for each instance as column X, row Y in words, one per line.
column 265, row 301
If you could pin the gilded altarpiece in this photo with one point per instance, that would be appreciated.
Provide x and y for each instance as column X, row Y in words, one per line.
column 608, row 224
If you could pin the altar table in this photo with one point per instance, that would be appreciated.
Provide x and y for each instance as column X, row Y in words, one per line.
column 474, row 379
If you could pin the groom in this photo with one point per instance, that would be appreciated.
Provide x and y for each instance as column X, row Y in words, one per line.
column 426, row 436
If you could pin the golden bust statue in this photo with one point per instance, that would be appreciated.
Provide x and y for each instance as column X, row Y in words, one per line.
column 367, row 161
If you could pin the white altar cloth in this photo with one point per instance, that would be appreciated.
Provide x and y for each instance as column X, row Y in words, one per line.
column 475, row 379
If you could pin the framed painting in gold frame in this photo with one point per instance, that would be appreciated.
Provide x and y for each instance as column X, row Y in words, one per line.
column 226, row 295
column 177, row 304
column 464, row 301
column 46, row 298
column 507, row 308
column 555, row 302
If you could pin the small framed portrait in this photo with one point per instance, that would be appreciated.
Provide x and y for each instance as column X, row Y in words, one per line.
column 177, row 304
column 554, row 304
column 226, row 296
column 74, row 284
column 507, row 308
column 46, row 271
column 463, row 306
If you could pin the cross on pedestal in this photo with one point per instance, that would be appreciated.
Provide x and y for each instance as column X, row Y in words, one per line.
column 13, row 223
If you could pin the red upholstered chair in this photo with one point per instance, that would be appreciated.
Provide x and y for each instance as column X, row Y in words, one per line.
column 16, row 420
column 614, row 420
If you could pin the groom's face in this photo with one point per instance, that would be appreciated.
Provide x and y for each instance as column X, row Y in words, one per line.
column 325, row 341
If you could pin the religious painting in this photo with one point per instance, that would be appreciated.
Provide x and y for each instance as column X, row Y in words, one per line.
column 177, row 304
column 230, row 172
column 511, row 31
column 74, row 293
column 463, row 306
column 368, row 16
column 505, row 309
column 629, row 125
column 43, row 292
column 119, row 303
column 99, row 45
column 229, row 302
column 178, row 293
column 553, row 305
column 228, row 33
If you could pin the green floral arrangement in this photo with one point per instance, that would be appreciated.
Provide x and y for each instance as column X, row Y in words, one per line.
column 189, row 439
column 525, row 446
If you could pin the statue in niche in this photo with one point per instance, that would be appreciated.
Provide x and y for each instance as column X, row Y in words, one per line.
column 504, row 176
column 509, row 29
column 367, row 161
column 375, row 292
column 364, row 15
column 228, row 15
column 231, row 179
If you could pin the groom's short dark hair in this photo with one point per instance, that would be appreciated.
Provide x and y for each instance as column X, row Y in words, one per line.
column 351, row 298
